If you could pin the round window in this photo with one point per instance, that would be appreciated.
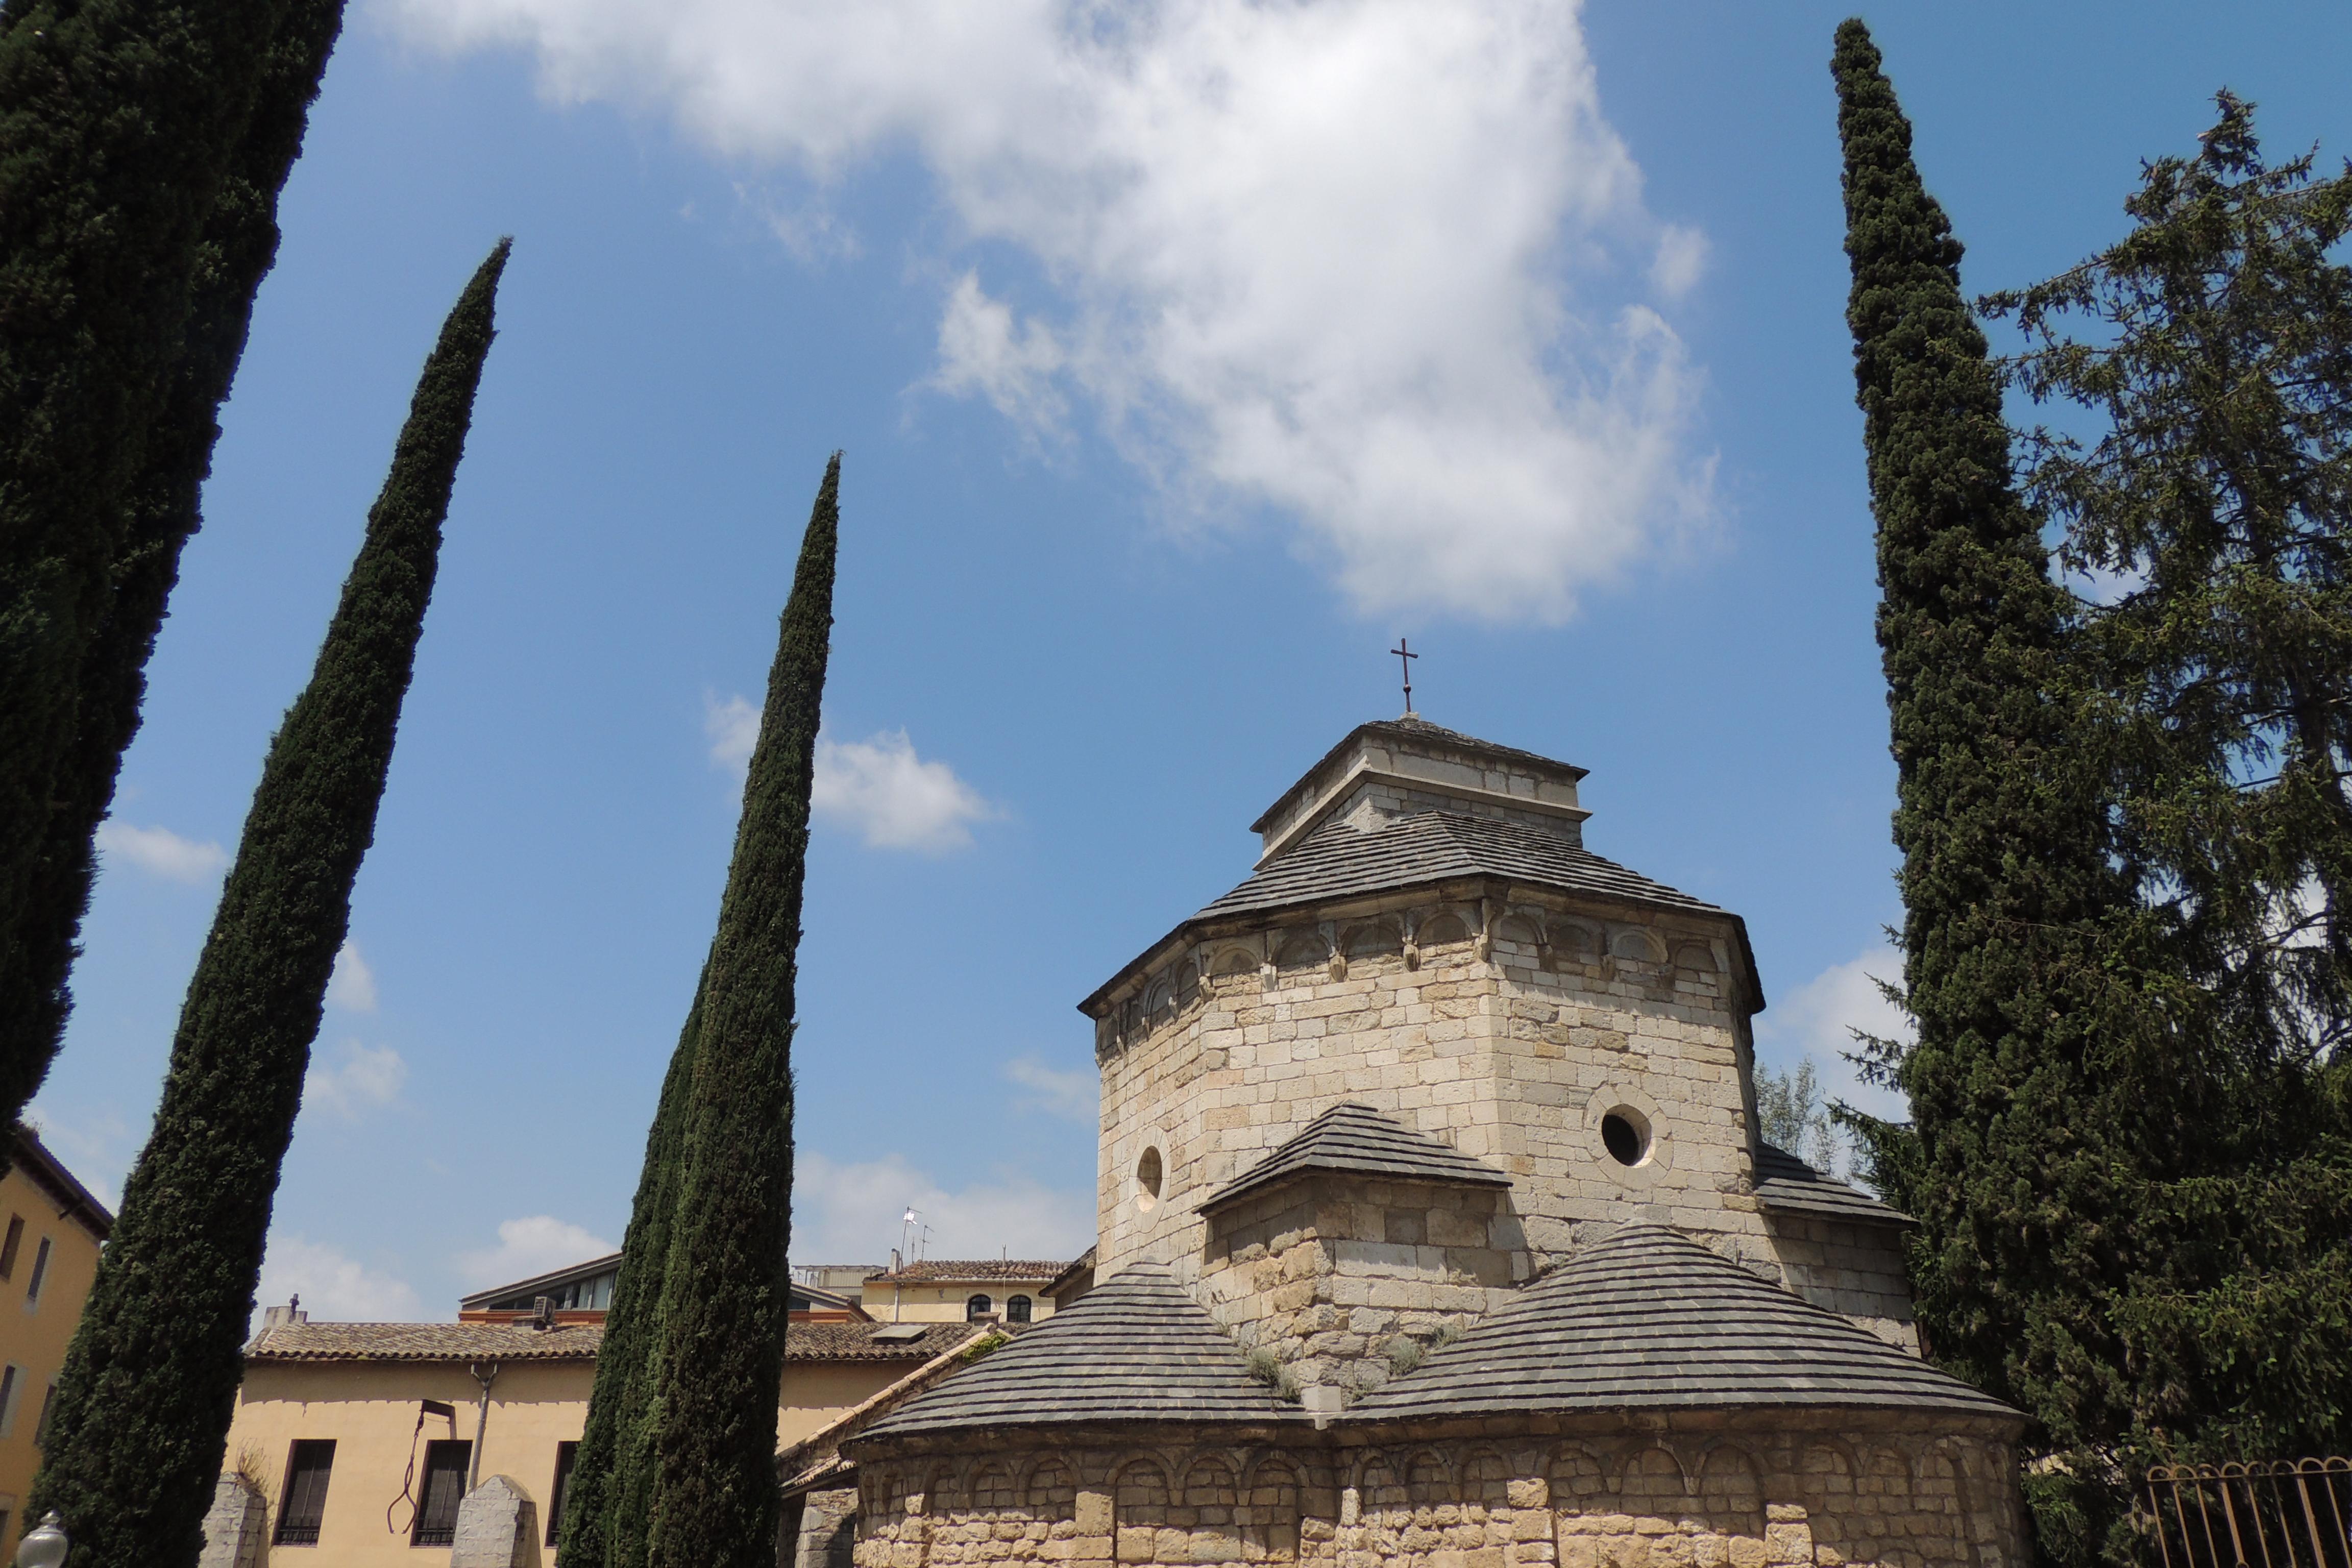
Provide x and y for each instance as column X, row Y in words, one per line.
column 1146, row 1180
column 1625, row 1134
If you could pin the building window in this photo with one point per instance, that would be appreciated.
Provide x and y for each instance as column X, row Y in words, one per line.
column 41, row 1427
column 40, row 1272
column 8, row 1248
column 304, row 1504
column 12, row 1387
column 977, row 1307
column 561, row 1492
column 446, row 1459
column 1017, row 1311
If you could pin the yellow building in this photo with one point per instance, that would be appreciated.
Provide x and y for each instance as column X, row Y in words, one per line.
column 954, row 1290
column 359, row 1439
column 48, row 1259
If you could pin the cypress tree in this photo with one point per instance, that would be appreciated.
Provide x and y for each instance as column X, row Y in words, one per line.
column 238, row 245
column 725, row 1293
column 2031, row 1093
column 597, row 1518
column 143, row 1406
column 119, row 122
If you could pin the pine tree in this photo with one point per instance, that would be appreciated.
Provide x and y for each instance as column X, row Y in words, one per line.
column 598, row 1517
column 2214, row 360
column 2033, row 1083
column 143, row 1406
column 119, row 122
column 725, row 1287
column 239, row 245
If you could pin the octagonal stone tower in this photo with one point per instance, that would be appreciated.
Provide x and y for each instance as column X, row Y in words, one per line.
column 1559, row 1044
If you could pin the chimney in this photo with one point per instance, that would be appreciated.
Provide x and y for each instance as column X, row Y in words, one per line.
column 280, row 1317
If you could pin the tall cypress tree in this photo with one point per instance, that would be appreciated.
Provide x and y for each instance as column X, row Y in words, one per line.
column 119, row 122
column 2032, row 1100
column 599, row 1518
column 238, row 245
column 150, row 1384
column 725, row 1294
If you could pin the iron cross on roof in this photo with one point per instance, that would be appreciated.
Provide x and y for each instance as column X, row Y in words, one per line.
column 1405, row 657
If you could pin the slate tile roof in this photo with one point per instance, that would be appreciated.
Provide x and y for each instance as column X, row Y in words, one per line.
column 1337, row 860
column 1649, row 1319
column 1785, row 1181
column 1134, row 1347
column 1356, row 1138
column 568, row 1342
column 979, row 1271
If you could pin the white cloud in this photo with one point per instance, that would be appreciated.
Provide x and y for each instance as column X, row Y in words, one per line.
column 1382, row 264
column 366, row 1077
column 537, row 1244
column 733, row 727
column 1075, row 1094
column 352, row 987
column 1680, row 262
column 1817, row 1018
column 332, row 1284
column 160, row 852
column 894, row 799
column 849, row 1212
column 97, row 1148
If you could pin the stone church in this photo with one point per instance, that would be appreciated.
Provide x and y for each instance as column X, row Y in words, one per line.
column 1436, row 1231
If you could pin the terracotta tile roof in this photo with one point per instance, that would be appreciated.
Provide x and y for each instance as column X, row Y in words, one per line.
column 1134, row 1347
column 1649, row 1319
column 955, row 1271
column 425, row 1341
column 1359, row 1140
column 1785, row 1181
column 570, row 1341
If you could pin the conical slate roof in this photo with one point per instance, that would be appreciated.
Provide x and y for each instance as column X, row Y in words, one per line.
column 1341, row 858
column 1356, row 1138
column 1785, row 1181
column 1649, row 1319
column 1134, row 1347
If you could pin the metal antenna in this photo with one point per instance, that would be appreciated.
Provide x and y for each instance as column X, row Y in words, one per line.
column 1405, row 657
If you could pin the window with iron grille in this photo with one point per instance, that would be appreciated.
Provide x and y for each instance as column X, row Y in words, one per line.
column 304, row 1504
column 559, row 1493
column 446, row 1459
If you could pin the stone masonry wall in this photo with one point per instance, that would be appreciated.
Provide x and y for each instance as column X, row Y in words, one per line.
column 1765, row 1500
column 1508, row 1028
column 1345, row 1280
column 1857, row 1269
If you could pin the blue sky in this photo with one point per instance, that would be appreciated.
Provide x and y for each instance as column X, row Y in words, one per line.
column 1184, row 357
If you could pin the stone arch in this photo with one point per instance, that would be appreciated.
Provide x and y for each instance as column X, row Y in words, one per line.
column 1578, row 941
column 1637, row 944
column 1442, row 930
column 1372, row 939
column 1047, row 1489
column 1160, row 999
column 1377, row 1486
column 1731, row 1491
column 1578, row 1477
column 1234, row 959
column 1303, row 949
column 1138, row 1510
column 1521, row 930
column 1486, row 1478
column 1209, row 1499
column 989, row 1490
column 1653, row 1482
column 1268, row 1514
column 1696, row 957
column 1826, row 1468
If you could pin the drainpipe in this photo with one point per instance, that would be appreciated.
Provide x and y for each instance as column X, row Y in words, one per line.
column 481, row 1419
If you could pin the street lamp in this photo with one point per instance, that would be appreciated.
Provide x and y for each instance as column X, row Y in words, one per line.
column 45, row 1545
